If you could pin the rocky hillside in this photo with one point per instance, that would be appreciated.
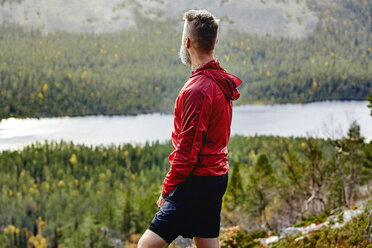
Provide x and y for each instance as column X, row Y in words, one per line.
column 282, row 17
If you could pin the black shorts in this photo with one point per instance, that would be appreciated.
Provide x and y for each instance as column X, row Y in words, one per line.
column 192, row 209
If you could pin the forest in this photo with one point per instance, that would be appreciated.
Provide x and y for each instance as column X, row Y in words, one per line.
column 137, row 70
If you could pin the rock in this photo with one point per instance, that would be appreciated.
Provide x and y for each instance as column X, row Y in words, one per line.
column 299, row 238
column 289, row 230
column 349, row 214
column 269, row 240
column 313, row 227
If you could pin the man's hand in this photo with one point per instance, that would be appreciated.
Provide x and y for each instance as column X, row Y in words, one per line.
column 160, row 201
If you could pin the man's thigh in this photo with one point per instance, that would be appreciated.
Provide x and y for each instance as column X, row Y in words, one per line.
column 151, row 240
column 207, row 242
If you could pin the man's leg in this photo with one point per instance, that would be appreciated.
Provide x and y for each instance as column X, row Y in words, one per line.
column 151, row 240
column 207, row 242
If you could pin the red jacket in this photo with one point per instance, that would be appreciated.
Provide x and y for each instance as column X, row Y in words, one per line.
column 202, row 120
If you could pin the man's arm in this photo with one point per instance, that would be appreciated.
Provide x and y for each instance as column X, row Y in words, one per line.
column 196, row 109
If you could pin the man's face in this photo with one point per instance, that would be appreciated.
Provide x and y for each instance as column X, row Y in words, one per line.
column 184, row 54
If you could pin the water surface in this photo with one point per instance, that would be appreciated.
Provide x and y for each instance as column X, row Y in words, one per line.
column 318, row 119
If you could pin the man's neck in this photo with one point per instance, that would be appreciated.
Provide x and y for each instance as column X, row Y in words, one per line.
column 200, row 60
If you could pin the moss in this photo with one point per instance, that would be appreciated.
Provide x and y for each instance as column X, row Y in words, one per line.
column 307, row 220
column 340, row 217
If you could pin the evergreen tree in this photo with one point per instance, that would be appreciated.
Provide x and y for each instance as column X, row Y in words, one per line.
column 315, row 171
column 127, row 212
column 260, row 185
column 349, row 160
column 235, row 189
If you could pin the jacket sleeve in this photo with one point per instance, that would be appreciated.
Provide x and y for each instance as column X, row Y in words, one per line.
column 196, row 108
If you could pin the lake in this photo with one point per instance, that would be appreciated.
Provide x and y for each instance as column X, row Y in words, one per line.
column 317, row 119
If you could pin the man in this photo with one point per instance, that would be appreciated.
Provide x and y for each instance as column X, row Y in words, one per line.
column 190, row 203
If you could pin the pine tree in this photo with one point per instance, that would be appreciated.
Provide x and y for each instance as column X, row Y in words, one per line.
column 260, row 185
column 235, row 188
column 349, row 160
column 126, row 225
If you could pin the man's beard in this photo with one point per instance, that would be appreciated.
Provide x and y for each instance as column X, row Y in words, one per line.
column 185, row 55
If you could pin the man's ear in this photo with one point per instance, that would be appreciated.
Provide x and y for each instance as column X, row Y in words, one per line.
column 216, row 41
column 188, row 42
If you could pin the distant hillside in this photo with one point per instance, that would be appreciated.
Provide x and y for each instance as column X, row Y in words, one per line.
column 137, row 69
column 286, row 18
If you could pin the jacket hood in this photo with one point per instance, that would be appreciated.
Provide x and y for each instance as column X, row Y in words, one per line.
column 227, row 82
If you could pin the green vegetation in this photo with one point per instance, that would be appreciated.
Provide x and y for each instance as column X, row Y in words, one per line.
column 71, row 195
column 286, row 178
column 66, row 193
column 236, row 237
column 352, row 234
column 369, row 98
column 312, row 218
column 82, row 74
column 330, row 63
column 138, row 70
